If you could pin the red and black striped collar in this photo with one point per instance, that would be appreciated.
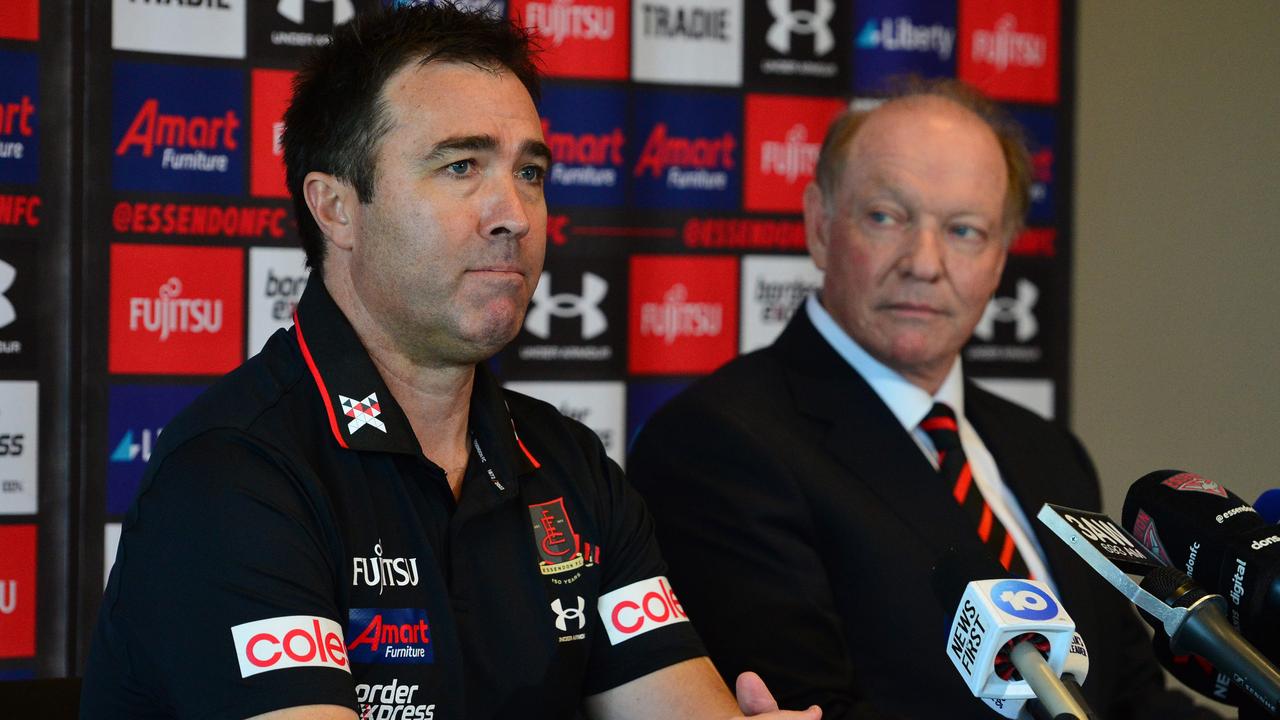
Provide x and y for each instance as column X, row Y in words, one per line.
column 360, row 410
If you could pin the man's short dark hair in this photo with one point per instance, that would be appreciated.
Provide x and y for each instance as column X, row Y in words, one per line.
column 338, row 116
column 1017, row 161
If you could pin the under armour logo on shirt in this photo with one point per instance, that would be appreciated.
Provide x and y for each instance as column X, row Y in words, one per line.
column 362, row 412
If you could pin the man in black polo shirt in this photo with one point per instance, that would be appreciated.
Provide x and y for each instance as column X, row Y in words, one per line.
column 359, row 519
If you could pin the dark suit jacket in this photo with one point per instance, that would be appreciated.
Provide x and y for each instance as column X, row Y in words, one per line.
column 801, row 523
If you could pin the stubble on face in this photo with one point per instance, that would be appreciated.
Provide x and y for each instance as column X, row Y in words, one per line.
column 453, row 240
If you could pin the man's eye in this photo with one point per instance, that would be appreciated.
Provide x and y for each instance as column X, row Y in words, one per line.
column 531, row 173
column 879, row 217
column 461, row 167
column 966, row 232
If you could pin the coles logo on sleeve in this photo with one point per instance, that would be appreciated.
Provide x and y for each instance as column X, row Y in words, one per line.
column 289, row 642
column 687, row 42
column 899, row 37
column 390, row 636
column 175, row 309
column 1009, row 48
column 271, row 92
column 581, row 38
column 689, row 155
column 19, row 429
column 19, row 119
column 213, row 28
column 585, row 129
column 20, row 20
column 684, row 314
column 166, row 138
column 784, row 135
column 17, row 591
column 136, row 414
column 639, row 608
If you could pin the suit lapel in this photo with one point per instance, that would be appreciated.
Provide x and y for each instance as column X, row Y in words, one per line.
column 864, row 437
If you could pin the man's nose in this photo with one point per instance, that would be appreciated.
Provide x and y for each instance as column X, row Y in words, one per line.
column 922, row 255
column 506, row 208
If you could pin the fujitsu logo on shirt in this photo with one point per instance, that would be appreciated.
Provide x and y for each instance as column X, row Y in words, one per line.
column 1004, row 46
column 151, row 128
column 564, row 19
column 792, row 158
column 676, row 317
column 169, row 312
column 383, row 572
column 688, row 162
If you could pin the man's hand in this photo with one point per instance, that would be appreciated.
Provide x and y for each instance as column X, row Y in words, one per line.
column 755, row 701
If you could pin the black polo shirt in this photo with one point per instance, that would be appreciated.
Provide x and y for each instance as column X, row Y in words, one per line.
column 291, row 545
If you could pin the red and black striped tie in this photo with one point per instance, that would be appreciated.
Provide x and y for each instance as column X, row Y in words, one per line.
column 953, row 466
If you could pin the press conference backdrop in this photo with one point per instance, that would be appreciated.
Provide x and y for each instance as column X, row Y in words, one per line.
column 147, row 244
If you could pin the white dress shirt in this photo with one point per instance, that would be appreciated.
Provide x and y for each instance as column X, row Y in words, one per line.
column 910, row 404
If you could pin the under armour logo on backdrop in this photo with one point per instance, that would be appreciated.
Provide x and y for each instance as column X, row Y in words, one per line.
column 343, row 10
column 815, row 22
column 362, row 412
column 1016, row 310
column 543, row 305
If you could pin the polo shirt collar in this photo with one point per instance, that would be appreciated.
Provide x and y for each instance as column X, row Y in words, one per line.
column 362, row 413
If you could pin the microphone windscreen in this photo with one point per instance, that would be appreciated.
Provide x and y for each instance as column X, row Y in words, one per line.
column 1187, row 521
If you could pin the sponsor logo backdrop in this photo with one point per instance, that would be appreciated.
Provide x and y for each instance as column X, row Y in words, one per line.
column 683, row 133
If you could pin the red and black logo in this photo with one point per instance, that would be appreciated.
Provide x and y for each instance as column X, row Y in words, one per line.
column 559, row 547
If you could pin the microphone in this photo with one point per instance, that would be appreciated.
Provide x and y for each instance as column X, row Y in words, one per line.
column 1010, row 639
column 1194, row 619
column 1268, row 506
column 1220, row 540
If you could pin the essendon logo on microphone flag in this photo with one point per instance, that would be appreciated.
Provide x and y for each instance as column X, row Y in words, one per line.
column 580, row 38
column 688, row 150
column 1009, row 48
column 178, row 129
column 1190, row 482
column 17, row 591
column 783, row 135
column 684, row 314
column 271, row 92
column 19, row 118
column 175, row 309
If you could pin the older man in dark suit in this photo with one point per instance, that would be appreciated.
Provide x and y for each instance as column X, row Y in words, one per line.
column 802, row 493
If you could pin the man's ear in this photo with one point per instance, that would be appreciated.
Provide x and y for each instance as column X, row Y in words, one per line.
column 331, row 202
column 817, row 225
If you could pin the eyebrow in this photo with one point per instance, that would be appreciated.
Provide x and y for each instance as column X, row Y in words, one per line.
column 484, row 143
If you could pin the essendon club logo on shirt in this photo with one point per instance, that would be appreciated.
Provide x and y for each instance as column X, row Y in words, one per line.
column 20, row 20
column 390, row 636
column 684, row 314
column 1190, row 482
column 784, row 135
column 1009, row 49
column 559, row 547
column 271, row 93
column 17, row 591
column 690, row 153
column 289, row 642
column 168, row 137
column 175, row 309
column 639, row 608
column 581, row 38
